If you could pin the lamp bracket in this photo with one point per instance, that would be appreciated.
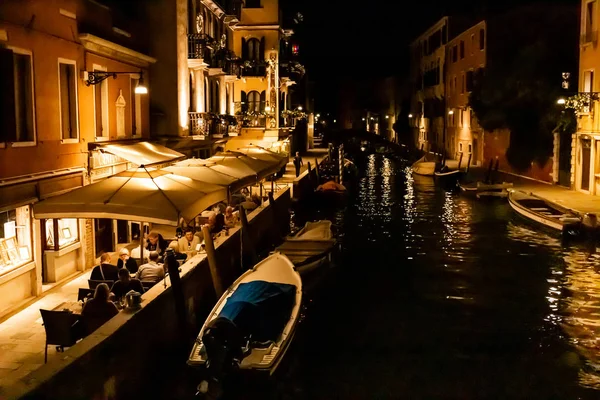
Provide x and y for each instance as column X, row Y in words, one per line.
column 96, row 77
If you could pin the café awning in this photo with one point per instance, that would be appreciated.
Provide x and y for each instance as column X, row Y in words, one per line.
column 261, row 168
column 263, row 154
column 142, row 153
column 201, row 170
column 155, row 196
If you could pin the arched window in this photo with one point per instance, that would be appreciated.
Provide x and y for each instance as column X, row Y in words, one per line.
column 253, row 49
column 206, row 93
column 253, row 101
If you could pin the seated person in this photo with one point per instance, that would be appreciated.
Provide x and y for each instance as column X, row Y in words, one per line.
column 216, row 223
column 99, row 309
column 105, row 271
column 231, row 218
column 125, row 261
column 125, row 283
column 151, row 271
column 188, row 243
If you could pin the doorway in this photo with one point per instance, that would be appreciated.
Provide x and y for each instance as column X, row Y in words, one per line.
column 103, row 236
column 586, row 152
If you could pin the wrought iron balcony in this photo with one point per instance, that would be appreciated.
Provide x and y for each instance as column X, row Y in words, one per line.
column 211, row 125
column 233, row 10
column 254, row 68
column 200, row 46
column 227, row 61
column 291, row 69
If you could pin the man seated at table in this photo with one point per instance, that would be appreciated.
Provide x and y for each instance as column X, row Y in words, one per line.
column 105, row 271
column 99, row 309
column 188, row 243
column 125, row 283
column 151, row 271
column 125, row 261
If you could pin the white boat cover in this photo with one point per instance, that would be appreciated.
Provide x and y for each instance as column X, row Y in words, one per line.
column 155, row 196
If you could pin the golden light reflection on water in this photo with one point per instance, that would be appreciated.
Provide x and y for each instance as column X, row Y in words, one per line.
column 573, row 298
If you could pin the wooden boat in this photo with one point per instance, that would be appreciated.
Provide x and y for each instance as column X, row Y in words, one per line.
column 544, row 212
column 475, row 187
column 424, row 166
column 254, row 321
column 448, row 178
column 311, row 247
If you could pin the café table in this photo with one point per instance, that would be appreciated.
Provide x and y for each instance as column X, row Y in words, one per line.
column 74, row 307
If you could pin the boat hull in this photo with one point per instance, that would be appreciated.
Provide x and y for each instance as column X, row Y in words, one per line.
column 276, row 268
column 425, row 168
column 541, row 212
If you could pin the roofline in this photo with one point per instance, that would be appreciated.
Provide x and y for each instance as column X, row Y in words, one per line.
column 432, row 28
column 455, row 38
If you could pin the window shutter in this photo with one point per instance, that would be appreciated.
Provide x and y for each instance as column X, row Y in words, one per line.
column 244, row 49
column 263, row 97
column 8, row 130
column 244, row 102
column 262, row 49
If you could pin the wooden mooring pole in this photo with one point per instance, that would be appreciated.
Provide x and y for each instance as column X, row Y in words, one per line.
column 212, row 261
column 248, row 252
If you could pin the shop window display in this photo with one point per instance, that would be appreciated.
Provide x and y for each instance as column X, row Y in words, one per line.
column 68, row 233
column 15, row 239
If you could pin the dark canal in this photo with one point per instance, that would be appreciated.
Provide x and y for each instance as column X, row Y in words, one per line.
column 440, row 296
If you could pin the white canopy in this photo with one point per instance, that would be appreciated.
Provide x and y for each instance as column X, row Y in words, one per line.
column 155, row 196
column 142, row 153
column 202, row 171
column 264, row 155
column 261, row 168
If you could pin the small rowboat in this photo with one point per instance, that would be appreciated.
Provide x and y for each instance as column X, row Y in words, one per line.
column 544, row 212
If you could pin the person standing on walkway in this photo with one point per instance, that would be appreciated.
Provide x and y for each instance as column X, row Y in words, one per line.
column 298, row 163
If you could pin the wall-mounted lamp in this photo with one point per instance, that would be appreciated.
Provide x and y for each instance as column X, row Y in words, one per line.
column 410, row 115
column 450, row 112
column 268, row 109
column 363, row 119
column 561, row 101
column 387, row 117
column 96, row 77
column 299, row 108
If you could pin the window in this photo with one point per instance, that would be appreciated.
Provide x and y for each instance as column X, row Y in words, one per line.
column 15, row 239
column 469, row 81
column 481, row 39
column 254, row 49
column 101, row 107
column 462, row 118
column 472, row 43
column 253, row 101
column 455, row 53
column 16, row 97
column 67, row 93
column 588, row 81
column 68, row 233
column 136, row 108
column 590, row 21
column 252, row 4
column 470, row 148
column 462, row 49
column 454, row 84
column 460, row 147
column 462, row 86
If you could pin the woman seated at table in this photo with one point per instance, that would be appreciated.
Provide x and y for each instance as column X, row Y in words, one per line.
column 125, row 284
column 99, row 309
column 125, row 261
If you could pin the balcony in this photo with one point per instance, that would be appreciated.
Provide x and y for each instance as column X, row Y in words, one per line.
column 224, row 62
column 254, row 68
column 200, row 48
column 292, row 70
column 233, row 10
column 589, row 37
column 208, row 126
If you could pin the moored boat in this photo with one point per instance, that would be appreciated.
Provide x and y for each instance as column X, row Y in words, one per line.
column 253, row 323
column 424, row 166
column 544, row 212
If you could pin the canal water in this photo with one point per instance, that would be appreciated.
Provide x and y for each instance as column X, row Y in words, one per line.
column 439, row 296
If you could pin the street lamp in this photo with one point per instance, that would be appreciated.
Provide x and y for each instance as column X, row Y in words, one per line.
column 96, row 77
column 387, row 117
column 299, row 108
column 561, row 101
column 410, row 115
column 450, row 112
column 363, row 118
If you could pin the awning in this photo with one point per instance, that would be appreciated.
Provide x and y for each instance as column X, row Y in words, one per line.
column 142, row 153
column 155, row 196
column 261, row 168
column 264, row 155
column 202, row 171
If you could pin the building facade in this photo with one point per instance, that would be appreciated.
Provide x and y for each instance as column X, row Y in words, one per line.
column 54, row 112
column 466, row 53
column 428, row 54
column 585, row 160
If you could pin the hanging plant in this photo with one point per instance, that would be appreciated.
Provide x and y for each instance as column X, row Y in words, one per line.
column 581, row 102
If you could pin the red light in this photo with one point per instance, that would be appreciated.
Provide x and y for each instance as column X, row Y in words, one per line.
column 295, row 49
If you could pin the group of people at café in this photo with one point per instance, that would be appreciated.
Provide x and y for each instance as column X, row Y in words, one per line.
column 127, row 276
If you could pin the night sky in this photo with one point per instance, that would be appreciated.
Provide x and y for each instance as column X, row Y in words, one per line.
column 342, row 40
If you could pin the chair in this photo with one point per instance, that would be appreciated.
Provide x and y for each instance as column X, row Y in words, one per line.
column 147, row 284
column 60, row 330
column 94, row 283
column 84, row 293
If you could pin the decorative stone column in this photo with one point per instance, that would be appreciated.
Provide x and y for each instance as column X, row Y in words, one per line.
column 556, row 158
column 272, row 91
column 222, row 95
column 120, row 105
column 199, row 90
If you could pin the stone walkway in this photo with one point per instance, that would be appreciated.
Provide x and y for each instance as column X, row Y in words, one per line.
column 22, row 336
column 578, row 202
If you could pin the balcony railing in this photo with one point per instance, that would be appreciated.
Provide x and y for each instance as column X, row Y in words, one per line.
column 199, row 46
column 291, row 69
column 254, row 68
column 210, row 125
column 589, row 37
column 227, row 61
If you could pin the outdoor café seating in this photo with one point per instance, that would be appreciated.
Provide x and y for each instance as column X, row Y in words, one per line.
column 62, row 330
column 93, row 283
